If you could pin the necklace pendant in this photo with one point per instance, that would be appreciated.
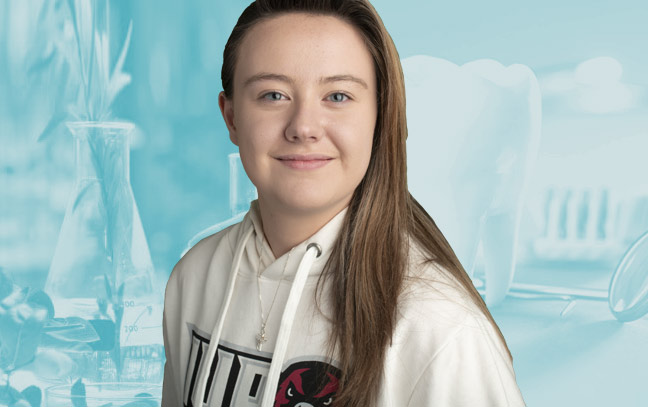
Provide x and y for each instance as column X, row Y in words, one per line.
column 261, row 339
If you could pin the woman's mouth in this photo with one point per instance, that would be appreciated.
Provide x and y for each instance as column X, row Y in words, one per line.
column 304, row 161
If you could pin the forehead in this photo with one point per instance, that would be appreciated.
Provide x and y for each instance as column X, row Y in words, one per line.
column 304, row 47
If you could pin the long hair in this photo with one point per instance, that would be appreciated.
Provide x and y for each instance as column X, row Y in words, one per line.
column 369, row 262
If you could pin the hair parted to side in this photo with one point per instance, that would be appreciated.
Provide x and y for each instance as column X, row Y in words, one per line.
column 369, row 262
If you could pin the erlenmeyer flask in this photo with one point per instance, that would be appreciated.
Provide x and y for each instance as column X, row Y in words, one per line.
column 102, row 268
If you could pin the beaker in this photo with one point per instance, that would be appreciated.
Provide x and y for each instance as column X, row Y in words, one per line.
column 102, row 268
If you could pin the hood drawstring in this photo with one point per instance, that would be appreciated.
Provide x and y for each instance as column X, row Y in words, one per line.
column 313, row 251
column 201, row 394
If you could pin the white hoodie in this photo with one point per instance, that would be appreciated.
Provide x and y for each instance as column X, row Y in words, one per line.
column 444, row 352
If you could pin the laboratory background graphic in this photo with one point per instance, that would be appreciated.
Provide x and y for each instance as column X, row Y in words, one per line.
column 528, row 144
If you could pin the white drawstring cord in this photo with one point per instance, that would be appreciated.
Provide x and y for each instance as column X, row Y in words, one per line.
column 313, row 251
column 201, row 395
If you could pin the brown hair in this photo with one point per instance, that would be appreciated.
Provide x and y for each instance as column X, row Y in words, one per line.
column 369, row 262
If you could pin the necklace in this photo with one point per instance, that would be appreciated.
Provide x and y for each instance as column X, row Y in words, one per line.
column 261, row 337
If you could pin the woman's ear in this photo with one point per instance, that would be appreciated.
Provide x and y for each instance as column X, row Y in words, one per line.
column 227, row 110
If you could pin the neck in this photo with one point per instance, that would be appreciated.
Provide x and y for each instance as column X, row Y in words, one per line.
column 285, row 228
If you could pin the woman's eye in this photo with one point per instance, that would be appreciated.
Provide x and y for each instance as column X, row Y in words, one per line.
column 328, row 402
column 272, row 96
column 338, row 97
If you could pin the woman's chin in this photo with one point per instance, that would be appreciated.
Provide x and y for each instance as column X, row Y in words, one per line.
column 306, row 204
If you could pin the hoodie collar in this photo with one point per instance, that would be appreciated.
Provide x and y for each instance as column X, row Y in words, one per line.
column 272, row 268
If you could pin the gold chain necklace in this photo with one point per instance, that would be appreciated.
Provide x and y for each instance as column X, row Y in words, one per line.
column 261, row 337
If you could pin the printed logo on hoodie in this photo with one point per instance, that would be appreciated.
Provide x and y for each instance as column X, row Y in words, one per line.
column 308, row 383
column 237, row 378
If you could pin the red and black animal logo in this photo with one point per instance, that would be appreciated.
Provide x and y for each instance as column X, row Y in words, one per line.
column 307, row 384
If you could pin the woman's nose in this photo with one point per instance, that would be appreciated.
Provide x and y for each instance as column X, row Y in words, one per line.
column 305, row 122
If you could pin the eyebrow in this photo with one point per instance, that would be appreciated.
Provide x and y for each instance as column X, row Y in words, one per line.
column 266, row 76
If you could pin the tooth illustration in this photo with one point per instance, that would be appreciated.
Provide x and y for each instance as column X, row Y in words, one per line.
column 474, row 132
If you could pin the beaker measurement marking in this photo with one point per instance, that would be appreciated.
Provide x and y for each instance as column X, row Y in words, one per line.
column 134, row 324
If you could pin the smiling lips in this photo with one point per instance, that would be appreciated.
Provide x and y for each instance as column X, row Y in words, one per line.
column 304, row 161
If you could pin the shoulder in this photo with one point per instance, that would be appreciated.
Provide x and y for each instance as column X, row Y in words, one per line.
column 471, row 367
column 196, row 262
column 446, row 348
column 437, row 308
column 434, row 296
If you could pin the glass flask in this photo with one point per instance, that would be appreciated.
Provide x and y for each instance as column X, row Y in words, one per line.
column 241, row 192
column 102, row 270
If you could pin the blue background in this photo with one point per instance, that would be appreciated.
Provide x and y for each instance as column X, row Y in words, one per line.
column 180, row 171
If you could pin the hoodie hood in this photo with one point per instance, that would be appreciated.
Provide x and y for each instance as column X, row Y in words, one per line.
column 272, row 268
column 252, row 253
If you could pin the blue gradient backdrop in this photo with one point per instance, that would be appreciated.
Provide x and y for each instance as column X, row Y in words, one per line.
column 589, row 59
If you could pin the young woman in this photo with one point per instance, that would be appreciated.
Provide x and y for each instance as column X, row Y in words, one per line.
column 337, row 288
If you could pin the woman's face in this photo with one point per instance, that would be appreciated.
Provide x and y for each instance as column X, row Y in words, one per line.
column 303, row 111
